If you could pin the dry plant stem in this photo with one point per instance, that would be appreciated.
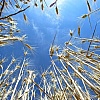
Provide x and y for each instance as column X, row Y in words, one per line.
column 2, row 7
column 93, row 68
column 7, row 78
column 63, row 76
column 92, row 38
column 93, row 78
column 2, row 18
column 86, row 59
column 88, row 40
column 1, row 70
column 41, row 89
column 94, row 11
column 45, row 87
column 88, row 96
column 29, row 89
column 10, row 38
column 33, row 92
column 82, row 77
column 19, row 77
column 56, row 75
column 8, row 67
column 25, row 95
column 94, row 54
column 76, row 87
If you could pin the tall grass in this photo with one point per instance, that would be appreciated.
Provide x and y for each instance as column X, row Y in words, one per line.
column 74, row 73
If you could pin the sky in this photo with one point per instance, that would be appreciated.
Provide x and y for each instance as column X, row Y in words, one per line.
column 43, row 25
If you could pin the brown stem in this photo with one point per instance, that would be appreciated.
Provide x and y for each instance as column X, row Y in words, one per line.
column 2, row 7
column 14, row 13
column 41, row 89
column 92, row 38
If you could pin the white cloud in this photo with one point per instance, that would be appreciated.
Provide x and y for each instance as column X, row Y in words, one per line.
column 35, row 27
column 39, row 34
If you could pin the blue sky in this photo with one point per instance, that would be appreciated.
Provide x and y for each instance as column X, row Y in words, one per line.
column 42, row 26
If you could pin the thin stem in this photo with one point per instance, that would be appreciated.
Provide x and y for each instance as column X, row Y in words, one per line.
column 2, row 18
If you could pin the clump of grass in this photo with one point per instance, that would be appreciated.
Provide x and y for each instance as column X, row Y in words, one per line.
column 78, row 73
